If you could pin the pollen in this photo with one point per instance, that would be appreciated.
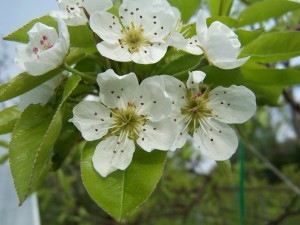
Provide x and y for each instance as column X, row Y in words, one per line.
column 134, row 38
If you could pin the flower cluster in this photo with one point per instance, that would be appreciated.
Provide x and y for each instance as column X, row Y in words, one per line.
column 153, row 112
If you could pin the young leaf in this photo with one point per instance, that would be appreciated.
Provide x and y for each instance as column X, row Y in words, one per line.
column 8, row 118
column 122, row 191
column 264, row 10
column 33, row 138
column 273, row 47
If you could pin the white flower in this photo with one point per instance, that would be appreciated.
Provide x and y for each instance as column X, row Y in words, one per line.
column 207, row 112
column 41, row 94
column 218, row 42
column 71, row 11
column 142, row 35
column 46, row 49
column 128, row 113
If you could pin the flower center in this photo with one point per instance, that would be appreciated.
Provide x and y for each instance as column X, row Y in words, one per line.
column 44, row 45
column 128, row 121
column 196, row 106
column 133, row 38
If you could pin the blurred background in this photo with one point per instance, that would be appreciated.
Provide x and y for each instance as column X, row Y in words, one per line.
column 262, row 188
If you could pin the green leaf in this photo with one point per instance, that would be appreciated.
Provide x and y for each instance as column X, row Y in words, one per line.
column 33, row 138
column 273, row 47
column 122, row 191
column 23, row 83
column 187, row 8
column 230, row 22
column 269, row 77
column 8, row 118
column 246, row 36
column 86, row 41
column 267, row 9
column 224, row 167
column 220, row 7
column 3, row 158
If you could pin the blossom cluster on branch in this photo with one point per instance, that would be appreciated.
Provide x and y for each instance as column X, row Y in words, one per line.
column 158, row 112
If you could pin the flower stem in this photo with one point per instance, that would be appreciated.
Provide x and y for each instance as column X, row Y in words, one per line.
column 82, row 75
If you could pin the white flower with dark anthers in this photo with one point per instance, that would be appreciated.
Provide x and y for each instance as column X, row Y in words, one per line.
column 127, row 113
column 142, row 36
column 46, row 49
column 218, row 42
column 207, row 112
column 72, row 11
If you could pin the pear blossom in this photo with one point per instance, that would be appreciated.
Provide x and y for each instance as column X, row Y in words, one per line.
column 72, row 12
column 205, row 113
column 46, row 49
column 141, row 36
column 128, row 113
column 42, row 93
column 218, row 43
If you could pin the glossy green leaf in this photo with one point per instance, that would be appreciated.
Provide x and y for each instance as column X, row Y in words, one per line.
column 220, row 7
column 265, row 10
column 33, row 138
column 23, row 83
column 122, row 191
column 273, row 47
column 8, row 118
column 224, row 167
column 30, row 134
column 77, row 39
column 246, row 36
column 271, row 76
column 187, row 8
column 230, row 22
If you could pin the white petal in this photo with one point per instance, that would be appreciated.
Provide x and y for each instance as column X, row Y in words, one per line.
column 96, row 5
column 36, row 68
column 37, row 32
column 176, row 90
column 64, row 36
column 106, row 26
column 192, row 46
column 118, row 91
column 21, row 55
column 157, row 135
column 153, row 102
column 149, row 54
column 220, row 28
column 231, row 64
column 177, row 41
column 216, row 140
column 112, row 154
column 180, row 134
column 235, row 104
column 195, row 78
column 201, row 26
column 70, row 19
column 92, row 119
column 114, row 51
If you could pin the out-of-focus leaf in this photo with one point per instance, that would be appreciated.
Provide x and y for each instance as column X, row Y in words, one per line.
column 187, row 8
column 8, row 118
column 224, row 167
column 122, row 191
column 220, row 7
column 267, row 9
column 273, row 47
